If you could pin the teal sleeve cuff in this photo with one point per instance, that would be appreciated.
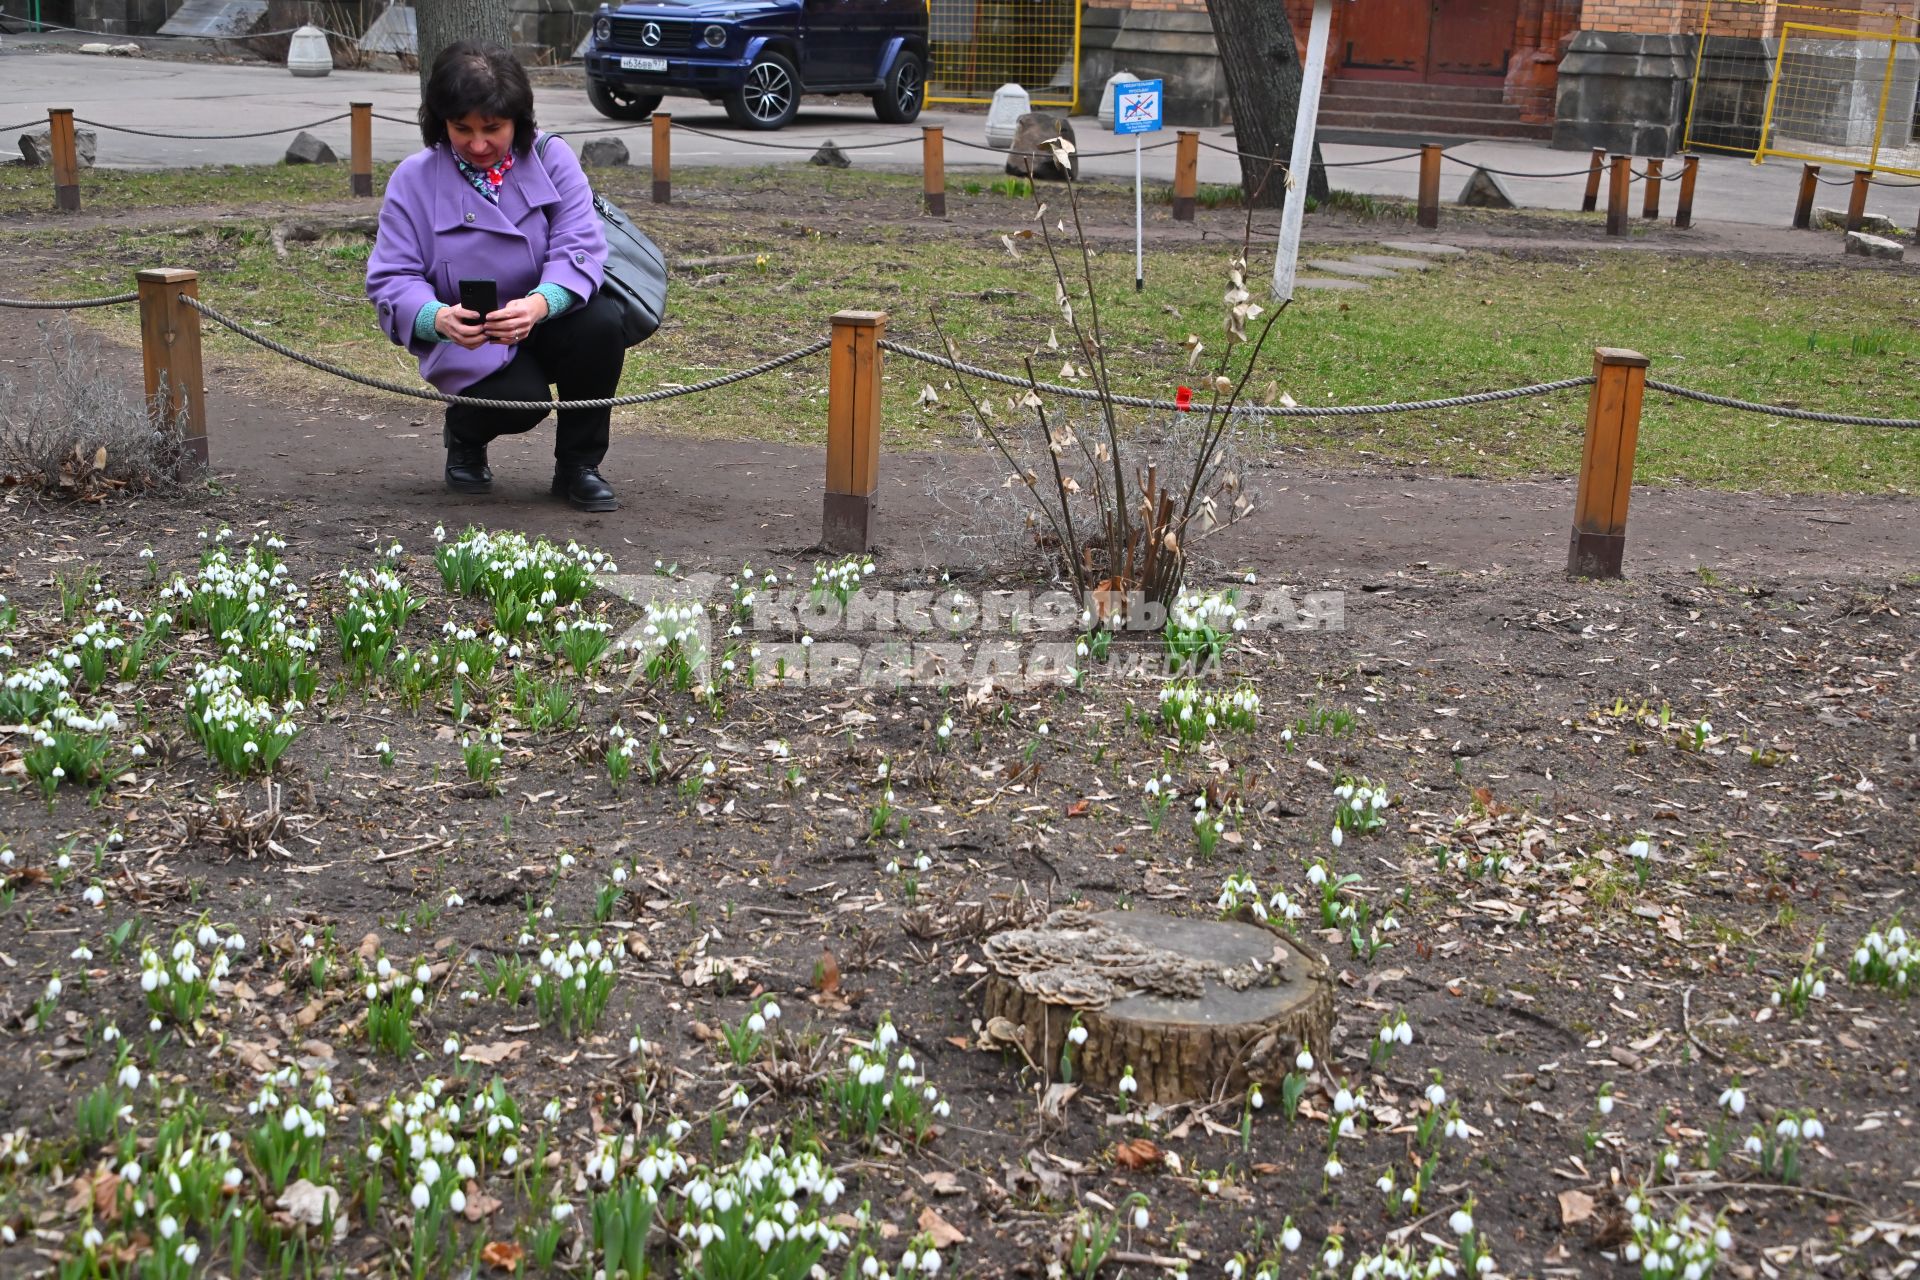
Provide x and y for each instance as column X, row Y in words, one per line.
column 423, row 322
column 558, row 297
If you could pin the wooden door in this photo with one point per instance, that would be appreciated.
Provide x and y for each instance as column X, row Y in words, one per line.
column 1471, row 37
column 1428, row 40
column 1387, row 38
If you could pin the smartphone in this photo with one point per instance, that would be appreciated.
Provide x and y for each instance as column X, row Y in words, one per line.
column 482, row 297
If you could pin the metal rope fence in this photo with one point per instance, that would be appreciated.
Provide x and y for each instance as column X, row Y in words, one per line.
column 479, row 402
column 791, row 146
column 1251, row 411
column 1778, row 410
column 24, row 124
column 210, row 137
column 68, row 304
column 1581, row 172
column 1085, row 155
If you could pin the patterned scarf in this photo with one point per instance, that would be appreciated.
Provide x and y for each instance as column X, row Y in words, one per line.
column 486, row 181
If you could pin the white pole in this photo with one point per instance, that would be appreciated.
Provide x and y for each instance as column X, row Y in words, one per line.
column 1139, row 233
column 1287, row 259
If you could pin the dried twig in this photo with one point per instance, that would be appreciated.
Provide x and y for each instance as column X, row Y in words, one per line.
column 1686, row 1025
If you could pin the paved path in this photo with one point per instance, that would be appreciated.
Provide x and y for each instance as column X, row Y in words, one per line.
column 192, row 97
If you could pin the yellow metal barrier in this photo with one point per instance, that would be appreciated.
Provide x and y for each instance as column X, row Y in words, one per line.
column 1736, row 56
column 979, row 45
column 1844, row 98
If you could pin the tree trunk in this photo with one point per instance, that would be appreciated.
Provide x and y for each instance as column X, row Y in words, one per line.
column 441, row 22
column 1262, row 64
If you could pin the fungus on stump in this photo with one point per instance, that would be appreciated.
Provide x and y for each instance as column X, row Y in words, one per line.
column 1198, row 1008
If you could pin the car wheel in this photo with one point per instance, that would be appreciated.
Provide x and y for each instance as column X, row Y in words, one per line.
column 770, row 98
column 899, row 99
column 615, row 105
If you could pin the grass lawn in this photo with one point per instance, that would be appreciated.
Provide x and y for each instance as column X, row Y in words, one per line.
column 1790, row 332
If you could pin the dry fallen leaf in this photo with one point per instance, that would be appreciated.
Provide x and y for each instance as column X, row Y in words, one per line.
column 826, row 973
column 310, row 1206
column 944, row 1233
column 1575, row 1207
column 1138, row 1153
column 943, row 1182
column 502, row 1255
column 492, row 1055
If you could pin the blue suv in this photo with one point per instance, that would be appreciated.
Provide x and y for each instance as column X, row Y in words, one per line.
column 758, row 56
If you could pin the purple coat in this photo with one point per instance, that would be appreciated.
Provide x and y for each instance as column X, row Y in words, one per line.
column 436, row 230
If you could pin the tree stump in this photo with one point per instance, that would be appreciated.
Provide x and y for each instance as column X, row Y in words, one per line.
column 1198, row 1008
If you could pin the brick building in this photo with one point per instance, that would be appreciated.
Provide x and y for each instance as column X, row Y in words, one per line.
column 1612, row 73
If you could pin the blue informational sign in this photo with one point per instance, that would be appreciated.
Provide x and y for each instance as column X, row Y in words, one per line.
column 1136, row 106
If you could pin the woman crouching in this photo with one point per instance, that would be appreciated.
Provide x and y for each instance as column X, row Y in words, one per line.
column 492, row 202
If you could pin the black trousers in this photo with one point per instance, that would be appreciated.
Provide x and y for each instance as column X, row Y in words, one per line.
column 580, row 352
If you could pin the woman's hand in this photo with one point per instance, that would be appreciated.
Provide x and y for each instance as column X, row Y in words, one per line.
column 461, row 326
column 513, row 322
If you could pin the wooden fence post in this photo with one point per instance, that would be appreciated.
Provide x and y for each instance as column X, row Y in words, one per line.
column 662, row 158
column 1803, row 203
column 1857, row 199
column 360, row 140
column 1186, row 175
column 1606, row 467
column 1598, row 162
column 853, row 430
column 1430, row 185
column 1650, row 207
column 66, row 161
column 1619, row 184
column 170, row 356
column 933, row 168
column 1689, row 173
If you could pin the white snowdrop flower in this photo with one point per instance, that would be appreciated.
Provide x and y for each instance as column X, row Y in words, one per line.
column 1077, row 1034
column 129, row 1077
column 1256, row 1099
column 231, row 1179
column 1140, row 1217
column 1338, row 837
column 1128, row 1085
column 94, row 895
column 1436, row 1095
column 1461, row 1222
column 1734, row 1099
column 1812, row 1129
column 420, row 1196
column 1303, row 1061
column 1403, row 1032
column 1605, row 1104
column 130, row 1172
column 1334, row 1168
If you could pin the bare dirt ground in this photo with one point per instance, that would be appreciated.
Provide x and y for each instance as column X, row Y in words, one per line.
column 1745, row 704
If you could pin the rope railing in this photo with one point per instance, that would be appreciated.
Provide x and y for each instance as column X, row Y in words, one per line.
column 481, row 402
column 1581, row 172
column 1324, row 164
column 67, row 304
column 792, row 146
column 210, row 137
column 1251, row 411
column 1085, row 155
column 24, row 124
column 1778, row 410
column 1882, row 182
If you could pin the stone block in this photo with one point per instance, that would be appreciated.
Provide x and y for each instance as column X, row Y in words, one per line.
column 36, row 149
column 1623, row 91
column 1010, row 102
column 1836, row 220
column 1105, row 114
column 830, row 156
column 307, row 149
column 604, row 153
column 1030, row 136
column 1862, row 245
column 1485, row 191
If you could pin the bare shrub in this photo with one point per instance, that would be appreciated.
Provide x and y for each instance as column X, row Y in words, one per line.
column 1118, row 521
column 73, row 431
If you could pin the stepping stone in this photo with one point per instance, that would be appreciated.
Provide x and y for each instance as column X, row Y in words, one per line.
column 1393, row 264
column 1322, row 282
column 1425, row 247
column 1862, row 245
column 1360, row 269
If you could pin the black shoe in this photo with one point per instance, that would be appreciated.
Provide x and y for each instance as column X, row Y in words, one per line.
column 584, row 490
column 467, row 470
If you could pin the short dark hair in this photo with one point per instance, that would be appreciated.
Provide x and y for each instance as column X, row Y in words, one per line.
column 470, row 76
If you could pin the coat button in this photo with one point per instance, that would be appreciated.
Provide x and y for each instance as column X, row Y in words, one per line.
column 579, row 258
column 469, row 217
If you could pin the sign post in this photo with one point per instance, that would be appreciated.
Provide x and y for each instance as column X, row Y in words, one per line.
column 1136, row 110
column 1287, row 259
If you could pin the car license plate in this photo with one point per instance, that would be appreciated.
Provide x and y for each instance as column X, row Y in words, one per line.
column 643, row 64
